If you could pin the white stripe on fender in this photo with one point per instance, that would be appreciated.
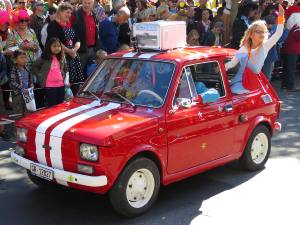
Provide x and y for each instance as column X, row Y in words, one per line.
column 58, row 132
column 147, row 55
column 41, row 129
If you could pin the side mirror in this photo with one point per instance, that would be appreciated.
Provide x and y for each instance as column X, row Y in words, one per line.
column 184, row 103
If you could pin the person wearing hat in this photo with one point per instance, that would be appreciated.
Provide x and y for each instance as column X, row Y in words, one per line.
column 37, row 20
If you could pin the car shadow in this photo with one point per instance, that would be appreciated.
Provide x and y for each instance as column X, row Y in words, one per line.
column 178, row 203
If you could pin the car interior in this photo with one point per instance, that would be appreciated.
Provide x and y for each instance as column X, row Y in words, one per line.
column 209, row 74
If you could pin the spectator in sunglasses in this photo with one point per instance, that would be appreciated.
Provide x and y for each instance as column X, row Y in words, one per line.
column 22, row 37
column 21, row 5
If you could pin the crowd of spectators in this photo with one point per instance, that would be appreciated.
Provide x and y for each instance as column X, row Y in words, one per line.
column 56, row 44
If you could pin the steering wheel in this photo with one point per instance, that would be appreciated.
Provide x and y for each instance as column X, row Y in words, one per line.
column 152, row 93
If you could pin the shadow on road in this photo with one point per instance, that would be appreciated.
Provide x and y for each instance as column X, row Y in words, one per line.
column 178, row 203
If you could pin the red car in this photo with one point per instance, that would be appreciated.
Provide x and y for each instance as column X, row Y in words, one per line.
column 146, row 119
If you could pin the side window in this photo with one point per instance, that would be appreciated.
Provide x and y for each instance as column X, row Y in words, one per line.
column 207, row 76
column 186, row 88
column 233, row 71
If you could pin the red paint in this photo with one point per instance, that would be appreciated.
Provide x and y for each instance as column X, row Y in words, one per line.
column 123, row 133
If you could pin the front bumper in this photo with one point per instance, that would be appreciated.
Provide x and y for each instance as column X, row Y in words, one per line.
column 90, row 181
column 277, row 127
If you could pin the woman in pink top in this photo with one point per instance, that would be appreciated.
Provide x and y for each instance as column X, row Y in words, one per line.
column 51, row 70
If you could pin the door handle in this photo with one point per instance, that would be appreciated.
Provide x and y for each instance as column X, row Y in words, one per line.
column 228, row 108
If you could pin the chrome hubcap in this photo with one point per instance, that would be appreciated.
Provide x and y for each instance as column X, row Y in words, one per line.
column 140, row 188
column 259, row 148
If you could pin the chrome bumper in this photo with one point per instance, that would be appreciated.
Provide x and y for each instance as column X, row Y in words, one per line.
column 61, row 175
column 277, row 127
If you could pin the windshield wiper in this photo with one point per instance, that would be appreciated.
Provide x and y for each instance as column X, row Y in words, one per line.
column 109, row 93
column 91, row 93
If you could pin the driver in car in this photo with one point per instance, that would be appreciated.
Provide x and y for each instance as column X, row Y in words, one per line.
column 134, row 83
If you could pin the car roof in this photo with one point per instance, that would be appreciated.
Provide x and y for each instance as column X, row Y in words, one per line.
column 177, row 55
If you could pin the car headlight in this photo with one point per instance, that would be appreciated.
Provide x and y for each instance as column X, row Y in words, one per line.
column 22, row 134
column 89, row 152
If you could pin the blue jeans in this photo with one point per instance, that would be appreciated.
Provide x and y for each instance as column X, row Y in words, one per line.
column 289, row 69
column 268, row 69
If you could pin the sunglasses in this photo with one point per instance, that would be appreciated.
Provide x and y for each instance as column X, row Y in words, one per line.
column 23, row 21
column 22, row 3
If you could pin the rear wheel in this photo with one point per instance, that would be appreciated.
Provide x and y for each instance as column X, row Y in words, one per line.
column 257, row 150
column 136, row 189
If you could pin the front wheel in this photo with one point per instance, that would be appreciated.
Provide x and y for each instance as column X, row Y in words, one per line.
column 257, row 150
column 136, row 189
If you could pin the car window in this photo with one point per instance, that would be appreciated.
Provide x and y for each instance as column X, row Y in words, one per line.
column 140, row 81
column 208, row 74
column 186, row 87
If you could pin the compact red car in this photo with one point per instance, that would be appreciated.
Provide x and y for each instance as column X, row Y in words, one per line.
column 146, row 119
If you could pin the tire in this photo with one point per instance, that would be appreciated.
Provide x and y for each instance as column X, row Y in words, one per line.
column 136, row 189
column 257, row 150
column 39, row 181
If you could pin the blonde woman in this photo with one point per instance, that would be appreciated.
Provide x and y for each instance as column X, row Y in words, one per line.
column 254, row 49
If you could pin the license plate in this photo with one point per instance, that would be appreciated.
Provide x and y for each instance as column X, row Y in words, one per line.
column 41, row 172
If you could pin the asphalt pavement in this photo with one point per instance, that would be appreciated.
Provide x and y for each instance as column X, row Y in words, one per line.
column 226, row 195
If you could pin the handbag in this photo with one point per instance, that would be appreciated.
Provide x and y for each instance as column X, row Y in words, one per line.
column 250, row 80
column 68, row 91
column 29, row 100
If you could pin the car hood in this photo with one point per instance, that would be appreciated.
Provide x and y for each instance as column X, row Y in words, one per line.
column 93, row 123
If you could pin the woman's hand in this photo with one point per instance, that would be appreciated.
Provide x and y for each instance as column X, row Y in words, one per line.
column 73, row 53
column 280, row 9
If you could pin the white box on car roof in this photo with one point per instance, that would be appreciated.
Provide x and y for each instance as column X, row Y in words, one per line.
column 160, row 35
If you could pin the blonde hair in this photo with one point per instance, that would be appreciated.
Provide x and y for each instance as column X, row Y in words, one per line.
column 247, row 40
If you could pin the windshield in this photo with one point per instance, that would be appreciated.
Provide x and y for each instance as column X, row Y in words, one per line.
column 137, row 82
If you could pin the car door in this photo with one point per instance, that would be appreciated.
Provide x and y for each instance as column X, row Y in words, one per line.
column 246, row 107
column 202, row 132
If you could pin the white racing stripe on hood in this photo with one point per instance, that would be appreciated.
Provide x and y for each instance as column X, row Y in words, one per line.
column 41, row 129
column 58, row 132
